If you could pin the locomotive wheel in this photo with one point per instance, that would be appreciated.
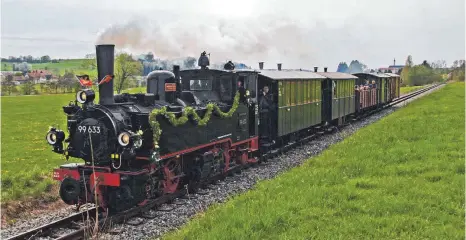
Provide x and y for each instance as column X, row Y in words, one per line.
column 171, row 170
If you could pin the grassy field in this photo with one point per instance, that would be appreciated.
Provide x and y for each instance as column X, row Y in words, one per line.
column 27, row 160
column 405, row 90
column 407, row 183
column 71, row 64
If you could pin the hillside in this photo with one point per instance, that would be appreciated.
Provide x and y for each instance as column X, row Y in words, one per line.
column 70, row 64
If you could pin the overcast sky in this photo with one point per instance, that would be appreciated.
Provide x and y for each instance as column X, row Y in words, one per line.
column 297, row 33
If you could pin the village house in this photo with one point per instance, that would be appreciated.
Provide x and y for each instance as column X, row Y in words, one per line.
column 37, row 76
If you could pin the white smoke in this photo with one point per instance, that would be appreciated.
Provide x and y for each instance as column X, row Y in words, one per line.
column 263, row 39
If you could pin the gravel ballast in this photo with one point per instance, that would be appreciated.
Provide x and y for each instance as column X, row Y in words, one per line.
column 184, row 209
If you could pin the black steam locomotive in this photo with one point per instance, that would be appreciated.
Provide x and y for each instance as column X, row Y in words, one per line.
column 194, row 124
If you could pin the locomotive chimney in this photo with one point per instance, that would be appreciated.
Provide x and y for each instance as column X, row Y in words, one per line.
column 105, row 60
column 261, row 65
column 325, row 69
column 315, row 69
column 279, row 66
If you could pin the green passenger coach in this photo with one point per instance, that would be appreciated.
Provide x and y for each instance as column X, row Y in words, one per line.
column 299, row 102
column 339, row 95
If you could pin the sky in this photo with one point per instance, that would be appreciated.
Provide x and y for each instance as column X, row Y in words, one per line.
column 298, row 34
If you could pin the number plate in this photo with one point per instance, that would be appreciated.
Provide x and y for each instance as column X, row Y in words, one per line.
column 89, row 129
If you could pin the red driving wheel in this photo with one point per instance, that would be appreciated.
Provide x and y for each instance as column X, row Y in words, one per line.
column 171, row 170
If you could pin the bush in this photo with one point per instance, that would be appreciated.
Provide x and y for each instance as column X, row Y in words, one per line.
column 421, row 75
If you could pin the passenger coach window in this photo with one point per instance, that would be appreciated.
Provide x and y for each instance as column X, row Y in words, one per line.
column 281, row 94
column 299, row 88
column 288, row 93
column 319, row 91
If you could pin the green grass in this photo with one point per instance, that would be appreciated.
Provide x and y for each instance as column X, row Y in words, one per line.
column 27, row 160
column 405, row 90
column 70, row 64
column 399, row 178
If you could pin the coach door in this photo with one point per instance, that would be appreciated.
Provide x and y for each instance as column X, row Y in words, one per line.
column 327, row 100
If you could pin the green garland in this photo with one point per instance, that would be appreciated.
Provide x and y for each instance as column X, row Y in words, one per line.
column 157, row 131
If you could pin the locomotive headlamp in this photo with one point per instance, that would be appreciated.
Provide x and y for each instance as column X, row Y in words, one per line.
column 51, row 138
column 55, row 136
column 85, row 96
column 130, row 139
column 124, row 139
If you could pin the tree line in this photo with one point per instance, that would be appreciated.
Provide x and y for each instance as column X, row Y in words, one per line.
column 30, row 59
column 430, row 72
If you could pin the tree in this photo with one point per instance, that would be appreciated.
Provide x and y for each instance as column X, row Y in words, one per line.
column 458, row 70
column 439, row 64
column 356, row 67
column 8, row 85
column 426, row 64
column 409, row 61
column 28, row 87
column 125, row 69
column 342, row 67
column 421, row 75
column 45, row 58
column 405, row 71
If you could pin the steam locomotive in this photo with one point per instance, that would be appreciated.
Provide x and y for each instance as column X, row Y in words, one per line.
column 194, row 124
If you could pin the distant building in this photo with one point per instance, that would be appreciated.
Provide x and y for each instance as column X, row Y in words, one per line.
column 396, row 68
column 40, row 76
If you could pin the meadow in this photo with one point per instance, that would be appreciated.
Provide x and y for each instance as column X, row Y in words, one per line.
column 27, row 159
column 399, row 178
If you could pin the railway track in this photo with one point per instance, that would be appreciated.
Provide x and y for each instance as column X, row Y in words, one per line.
column 80, row 225
column 411, row 95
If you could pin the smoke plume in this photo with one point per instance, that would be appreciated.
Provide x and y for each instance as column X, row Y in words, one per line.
column 263, row 39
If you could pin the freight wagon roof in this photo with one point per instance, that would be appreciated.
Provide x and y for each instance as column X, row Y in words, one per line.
column 337, row 75
column 289, row 74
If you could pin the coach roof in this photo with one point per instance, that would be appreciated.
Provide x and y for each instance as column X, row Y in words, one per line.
column 337, row 75
column 289, row 74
